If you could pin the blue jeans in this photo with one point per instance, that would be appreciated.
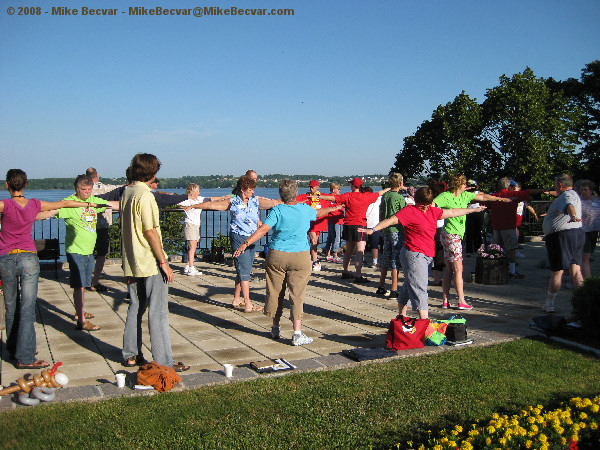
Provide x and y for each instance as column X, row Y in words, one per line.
column 20, row 303
column 334, row 237
column 150, row 293
column 243, row 263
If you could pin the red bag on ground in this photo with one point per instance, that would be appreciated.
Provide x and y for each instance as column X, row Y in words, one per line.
column 405, row 333
column 163, row 378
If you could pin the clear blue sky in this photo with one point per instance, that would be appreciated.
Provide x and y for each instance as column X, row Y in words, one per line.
column 333, row 89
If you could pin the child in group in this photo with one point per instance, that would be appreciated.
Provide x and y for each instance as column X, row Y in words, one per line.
column 191, row 226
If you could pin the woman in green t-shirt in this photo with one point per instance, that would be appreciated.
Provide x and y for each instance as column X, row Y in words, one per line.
column 452, row 235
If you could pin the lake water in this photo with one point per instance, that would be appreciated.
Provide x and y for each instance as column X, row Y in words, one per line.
column 213, row 222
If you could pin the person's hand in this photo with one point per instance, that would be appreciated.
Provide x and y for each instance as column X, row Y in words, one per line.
column 239, row 251
column 481, row 208
column 365, row 230
column 167, row 272
column 505, row 200
column 574, row 219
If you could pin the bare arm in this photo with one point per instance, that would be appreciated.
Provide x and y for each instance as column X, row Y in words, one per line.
column 455, row 212
column 267, row 203
column 47, row 206
column 324, row 211
column 532, row 211
column 390, row 221
column 43, row 215
column 490, row 198
column 262, row 230
column 383, row 191
column 573, row 214
column 153, row 239
column 219, row 205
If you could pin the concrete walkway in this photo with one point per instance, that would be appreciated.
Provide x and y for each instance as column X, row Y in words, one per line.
column 206, row 332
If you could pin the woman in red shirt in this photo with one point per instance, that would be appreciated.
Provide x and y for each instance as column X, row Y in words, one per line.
column 420, row 223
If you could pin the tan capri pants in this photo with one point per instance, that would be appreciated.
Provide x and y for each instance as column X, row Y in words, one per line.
column 291, row 269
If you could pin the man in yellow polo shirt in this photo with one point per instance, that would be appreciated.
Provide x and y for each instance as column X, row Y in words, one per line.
column 145, row 266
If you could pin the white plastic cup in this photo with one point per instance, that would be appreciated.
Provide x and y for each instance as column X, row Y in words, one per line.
column 120, row 380
column 228, row 368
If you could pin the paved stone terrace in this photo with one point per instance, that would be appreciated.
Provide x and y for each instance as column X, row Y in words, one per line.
column 206, row 332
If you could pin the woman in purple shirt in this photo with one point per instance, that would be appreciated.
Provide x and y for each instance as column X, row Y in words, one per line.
column 19, row 262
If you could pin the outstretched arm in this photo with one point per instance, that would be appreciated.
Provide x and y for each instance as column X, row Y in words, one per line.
column 219, row 205
column 47, row 206
column 455, row 212
column 324, row 211
column 390, row 221
column 262, row 230
column 267, row 203
column 490, row 198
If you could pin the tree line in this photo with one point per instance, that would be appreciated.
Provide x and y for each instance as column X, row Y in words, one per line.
column 209, row 181
column 528, row 128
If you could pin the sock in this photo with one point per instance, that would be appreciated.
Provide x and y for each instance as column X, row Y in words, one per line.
column 550, row 298
column 512, row 268
column 374, row 260
column 297, row 333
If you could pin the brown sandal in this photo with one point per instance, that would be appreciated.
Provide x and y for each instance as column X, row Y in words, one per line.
column 39, row 364
column 253, row 308
column 88, row 326
column 87, row 315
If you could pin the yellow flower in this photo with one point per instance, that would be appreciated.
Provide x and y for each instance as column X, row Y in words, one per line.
column 451, row 444
column 488, row 441
column 491, row 430
column 583, row 416
column 502, row 441
column 595, row 408
column 528, row 444
column 458, row 428
column 593, row 426
column 543, row 438
column 563, row 441
column 437, row 447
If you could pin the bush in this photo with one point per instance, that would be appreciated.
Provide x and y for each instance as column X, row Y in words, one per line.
column 586, row 305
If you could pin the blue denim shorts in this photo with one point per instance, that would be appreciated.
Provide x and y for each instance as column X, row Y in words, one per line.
column 81, row 268
column 243, row 263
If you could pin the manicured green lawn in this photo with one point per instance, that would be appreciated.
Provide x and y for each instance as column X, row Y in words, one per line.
column 375, row 404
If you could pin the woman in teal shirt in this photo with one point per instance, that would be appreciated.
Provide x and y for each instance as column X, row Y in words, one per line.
column 288, row 261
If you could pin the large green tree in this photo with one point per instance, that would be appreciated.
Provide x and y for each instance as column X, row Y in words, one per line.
column 449, row 142
column 585, row 94
column 532, row 128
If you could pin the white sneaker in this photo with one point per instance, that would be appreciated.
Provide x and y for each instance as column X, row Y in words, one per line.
column 548, row 307
column 186, row 269
column 519, row 254
column 301, row 339
column 193, row 272
column 316, row 267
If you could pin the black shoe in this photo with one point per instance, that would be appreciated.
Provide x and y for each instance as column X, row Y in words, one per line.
column 361, row 280
column 393, row 294
column 381, row 291
column 347, row 276
column 516, row 276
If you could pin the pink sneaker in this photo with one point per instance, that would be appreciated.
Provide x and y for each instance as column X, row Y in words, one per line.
column 446, row 305
column 330, row 259
column 464, row 306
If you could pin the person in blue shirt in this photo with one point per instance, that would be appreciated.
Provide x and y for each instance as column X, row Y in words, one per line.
column 288, row 262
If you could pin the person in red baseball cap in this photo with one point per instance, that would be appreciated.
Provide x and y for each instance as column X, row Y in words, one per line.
column 356, row 203
column 313, row 199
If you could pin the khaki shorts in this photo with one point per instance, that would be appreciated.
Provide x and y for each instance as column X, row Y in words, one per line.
column 191, row 232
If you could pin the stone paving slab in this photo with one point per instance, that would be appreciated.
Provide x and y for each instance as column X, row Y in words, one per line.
column 206, row 332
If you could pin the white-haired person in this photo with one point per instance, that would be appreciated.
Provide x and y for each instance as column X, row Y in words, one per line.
column 420, row 223
column 288, row 263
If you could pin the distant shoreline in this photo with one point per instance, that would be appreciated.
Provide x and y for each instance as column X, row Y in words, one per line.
column 209, row 182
